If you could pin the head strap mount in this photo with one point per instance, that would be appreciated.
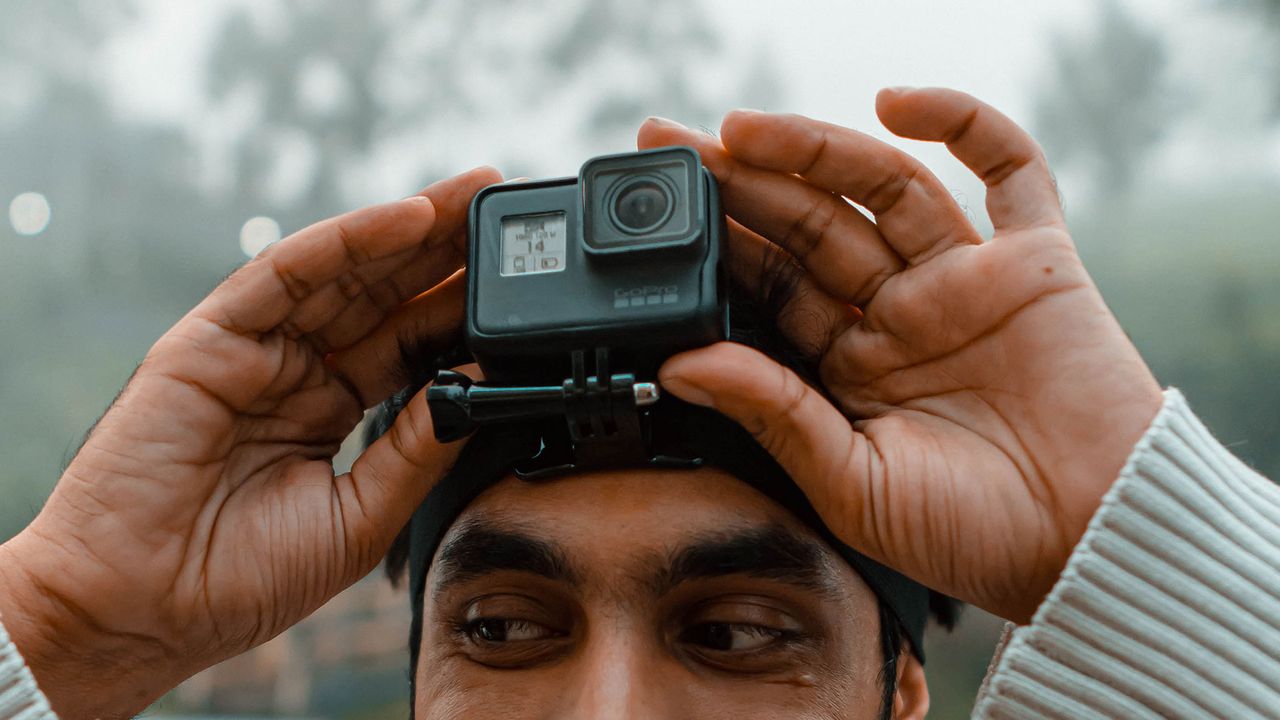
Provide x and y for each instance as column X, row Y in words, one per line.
column 607, row 422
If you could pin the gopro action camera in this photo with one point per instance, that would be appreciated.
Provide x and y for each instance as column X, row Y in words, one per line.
column 579, row 288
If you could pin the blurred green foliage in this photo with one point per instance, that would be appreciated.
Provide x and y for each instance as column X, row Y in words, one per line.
column 1193, row 280
column 1106, row 103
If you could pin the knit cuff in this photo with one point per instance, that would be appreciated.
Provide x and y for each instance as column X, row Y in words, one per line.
column 1170, row 604
column 20, row 699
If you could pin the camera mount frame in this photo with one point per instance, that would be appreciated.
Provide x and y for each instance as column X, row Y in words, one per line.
column 607, row 417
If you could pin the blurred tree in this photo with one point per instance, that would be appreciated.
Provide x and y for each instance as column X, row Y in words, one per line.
column 52, row 99
column 81, row 300
column 1245, row 336
column 1267, row 12
column 1192, row 279
column 47, row 50
column 658, row 45
column 762, row 87
column 1105, row 104
column 313, row 71
column 332, row 83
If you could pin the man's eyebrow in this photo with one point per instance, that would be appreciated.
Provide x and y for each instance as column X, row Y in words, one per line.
column 481, row 547
column 771, row 552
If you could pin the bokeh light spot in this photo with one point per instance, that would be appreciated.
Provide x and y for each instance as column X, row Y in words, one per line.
column 29, row 213
column 257, row 234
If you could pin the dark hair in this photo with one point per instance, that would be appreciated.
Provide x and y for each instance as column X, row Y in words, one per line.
column 755, row 316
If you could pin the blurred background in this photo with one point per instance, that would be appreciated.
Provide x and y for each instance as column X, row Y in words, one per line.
column 148, row 148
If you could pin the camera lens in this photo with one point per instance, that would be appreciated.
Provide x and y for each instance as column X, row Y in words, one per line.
column 641, row 204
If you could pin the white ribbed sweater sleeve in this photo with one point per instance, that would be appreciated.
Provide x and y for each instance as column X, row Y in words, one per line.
column 20, row 699
column 1170, row 605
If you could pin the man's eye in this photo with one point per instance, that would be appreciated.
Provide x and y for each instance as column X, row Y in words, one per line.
column 732, row 637
column 502, row 630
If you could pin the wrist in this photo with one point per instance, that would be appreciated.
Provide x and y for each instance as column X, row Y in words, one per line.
column 83, row 669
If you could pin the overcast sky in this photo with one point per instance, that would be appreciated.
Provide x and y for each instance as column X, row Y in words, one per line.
column 833, row 55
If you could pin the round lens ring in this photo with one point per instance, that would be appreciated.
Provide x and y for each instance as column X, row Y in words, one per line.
column 641, row 204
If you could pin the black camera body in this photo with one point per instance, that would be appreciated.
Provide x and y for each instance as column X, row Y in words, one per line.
column 626, row 257
column 577, row 290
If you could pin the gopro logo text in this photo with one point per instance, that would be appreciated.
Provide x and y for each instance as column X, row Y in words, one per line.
column 646, row 295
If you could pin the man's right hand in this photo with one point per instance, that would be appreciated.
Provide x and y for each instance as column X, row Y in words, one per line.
column 203, row 516
column 984, row 396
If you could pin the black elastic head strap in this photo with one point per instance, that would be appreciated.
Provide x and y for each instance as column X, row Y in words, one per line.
column 681, row 429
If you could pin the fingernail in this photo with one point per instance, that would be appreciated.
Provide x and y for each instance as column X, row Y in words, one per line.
column 899, row 89
column 665, row 122
column 688, row 392
column 746, row 111
column 418, row 200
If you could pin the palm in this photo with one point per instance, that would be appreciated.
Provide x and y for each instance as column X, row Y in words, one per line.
column 243, row 522
column 983, row 429
column 208, row 487
column 267, row 514
column 948, row 403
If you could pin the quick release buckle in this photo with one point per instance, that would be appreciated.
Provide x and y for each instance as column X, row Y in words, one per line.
column 606, row 416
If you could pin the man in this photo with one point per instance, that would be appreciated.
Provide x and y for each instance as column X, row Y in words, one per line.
column 651, row 592
column 994, row 402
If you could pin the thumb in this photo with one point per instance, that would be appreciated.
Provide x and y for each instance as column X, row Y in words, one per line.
column 391, row 478
column 804, row 432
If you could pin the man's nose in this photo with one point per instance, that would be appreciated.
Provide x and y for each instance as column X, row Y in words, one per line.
column 619, row 678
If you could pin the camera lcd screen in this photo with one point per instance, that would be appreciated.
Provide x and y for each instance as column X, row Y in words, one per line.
column 533, row 243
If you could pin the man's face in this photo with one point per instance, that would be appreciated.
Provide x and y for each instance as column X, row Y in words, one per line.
column 645, row 593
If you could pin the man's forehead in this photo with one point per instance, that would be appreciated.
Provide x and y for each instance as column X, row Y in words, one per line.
column 664, row 526
column 698, row 500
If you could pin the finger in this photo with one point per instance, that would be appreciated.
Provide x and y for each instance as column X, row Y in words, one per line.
column 916, row 214
column 838, row 245
column 808, row 317
column 1020, row 189
column 390, row 479
column 368, row 311
column 808, row 437
column 452, row 200
column 375, row 366
column 343, row 311
column 258, row 297
column 261, row 296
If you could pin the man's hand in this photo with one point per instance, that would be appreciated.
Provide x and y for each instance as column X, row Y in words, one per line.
column 202, row 516
column 984, row 396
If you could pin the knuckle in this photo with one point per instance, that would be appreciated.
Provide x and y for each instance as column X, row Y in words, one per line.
column 808, row 232
column 889, row 190
column 355, row 250
column 856, row 356
column 297, row 288
column 961, row 129
column 1035, row 150
column 792, row 394
column 350, row 286
column 871, row 284
column 1006, row 166
column 723, row 167
column 818, row 153
column 385, row 295
column 406, row 434
column 776, row 428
